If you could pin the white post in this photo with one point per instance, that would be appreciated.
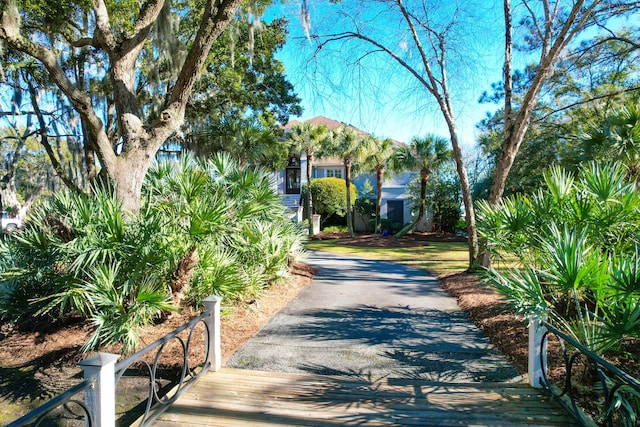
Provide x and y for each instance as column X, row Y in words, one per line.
column 316, row 223
column 101, row 398
column 537, row 364
column 212, row 304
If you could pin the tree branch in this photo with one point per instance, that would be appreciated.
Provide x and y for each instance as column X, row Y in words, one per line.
column 103, row 34
column 586, row 101
column 21, row 113
column 44, row 140
column 83, row 42
column 507, row 70
column 216, row 15
column 10, row 32
column 149, row 13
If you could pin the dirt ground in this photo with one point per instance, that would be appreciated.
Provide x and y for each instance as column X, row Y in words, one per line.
column 36, row 365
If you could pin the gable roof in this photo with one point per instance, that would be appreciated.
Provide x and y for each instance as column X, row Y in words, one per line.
column 329, row 123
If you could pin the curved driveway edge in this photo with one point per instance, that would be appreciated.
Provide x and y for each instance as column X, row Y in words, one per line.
column 373, row 318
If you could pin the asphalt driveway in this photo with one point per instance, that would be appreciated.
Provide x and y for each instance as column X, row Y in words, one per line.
column 373, row 318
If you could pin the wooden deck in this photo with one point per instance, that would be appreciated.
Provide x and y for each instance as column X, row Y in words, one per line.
column 233, row 397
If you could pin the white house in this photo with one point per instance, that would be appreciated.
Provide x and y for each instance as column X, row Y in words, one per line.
column 290, row 181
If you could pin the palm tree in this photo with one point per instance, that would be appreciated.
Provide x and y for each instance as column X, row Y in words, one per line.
column 352, row 149
column 424, row 154
column 617, row 138
column 376, row 162
column 309, row 138
column 248, row 141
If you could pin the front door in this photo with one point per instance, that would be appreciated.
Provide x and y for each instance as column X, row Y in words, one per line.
column 293, row 181
column 292, row 176
column 395, row 211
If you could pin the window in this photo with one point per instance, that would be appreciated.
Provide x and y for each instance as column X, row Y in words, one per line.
column 334, row 173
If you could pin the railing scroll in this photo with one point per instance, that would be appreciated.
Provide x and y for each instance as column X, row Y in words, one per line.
column 593, row 390
column 67, row 405
column 92, row 403
column 157, row 403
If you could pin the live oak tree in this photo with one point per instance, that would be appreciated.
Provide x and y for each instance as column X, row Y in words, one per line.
column 114, row 35
column 27, row 122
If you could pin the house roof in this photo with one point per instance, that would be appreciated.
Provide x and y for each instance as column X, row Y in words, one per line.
column 325, row 121
column 331, row 124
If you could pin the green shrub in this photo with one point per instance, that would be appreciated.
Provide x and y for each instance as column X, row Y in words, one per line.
column 330, row 196
column 390, row 226
column 446, row 216
column 81, row 254
column 336, row 229
column 577, row 241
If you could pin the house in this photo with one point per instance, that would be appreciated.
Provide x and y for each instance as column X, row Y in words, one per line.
column 290, row 181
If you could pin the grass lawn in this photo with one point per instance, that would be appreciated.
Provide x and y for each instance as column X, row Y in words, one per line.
column 435, row 257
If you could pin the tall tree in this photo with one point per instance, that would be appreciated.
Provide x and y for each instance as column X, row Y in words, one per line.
column 242, row 79
column 593, row 81
column 25, row 113
column 551, row 25
column 117, row 34
column 426, row 155
column 376, row 162
column 309, row 139
column 352, row 148
column 420, row 38
column 427, row 40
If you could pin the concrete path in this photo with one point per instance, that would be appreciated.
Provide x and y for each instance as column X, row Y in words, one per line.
column 373, row 318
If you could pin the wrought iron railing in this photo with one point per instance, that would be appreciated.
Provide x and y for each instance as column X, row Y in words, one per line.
column 157, row 402
column 591, row 389
column 93, row 401
column 68, row 406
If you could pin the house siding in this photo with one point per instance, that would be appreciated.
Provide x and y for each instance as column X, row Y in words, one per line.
column 393, row 187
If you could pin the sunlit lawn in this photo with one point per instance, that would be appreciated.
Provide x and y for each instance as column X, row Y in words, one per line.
column 435, row 257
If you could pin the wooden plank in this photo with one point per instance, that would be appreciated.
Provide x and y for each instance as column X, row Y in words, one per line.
column 233, row 397
column 374, row 397
column 257, row 403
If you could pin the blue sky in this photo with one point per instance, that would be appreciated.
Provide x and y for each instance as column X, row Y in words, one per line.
column 383, row 99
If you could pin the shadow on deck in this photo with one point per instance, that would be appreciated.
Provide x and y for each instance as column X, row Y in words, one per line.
column 236, row 397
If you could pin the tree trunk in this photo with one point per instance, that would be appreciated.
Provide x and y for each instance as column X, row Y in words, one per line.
column 424, row 177
column 347, row 180
column 89, row 155
column 182, row 275
column 128, row 176
column 470, row 216
column 379, row 178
